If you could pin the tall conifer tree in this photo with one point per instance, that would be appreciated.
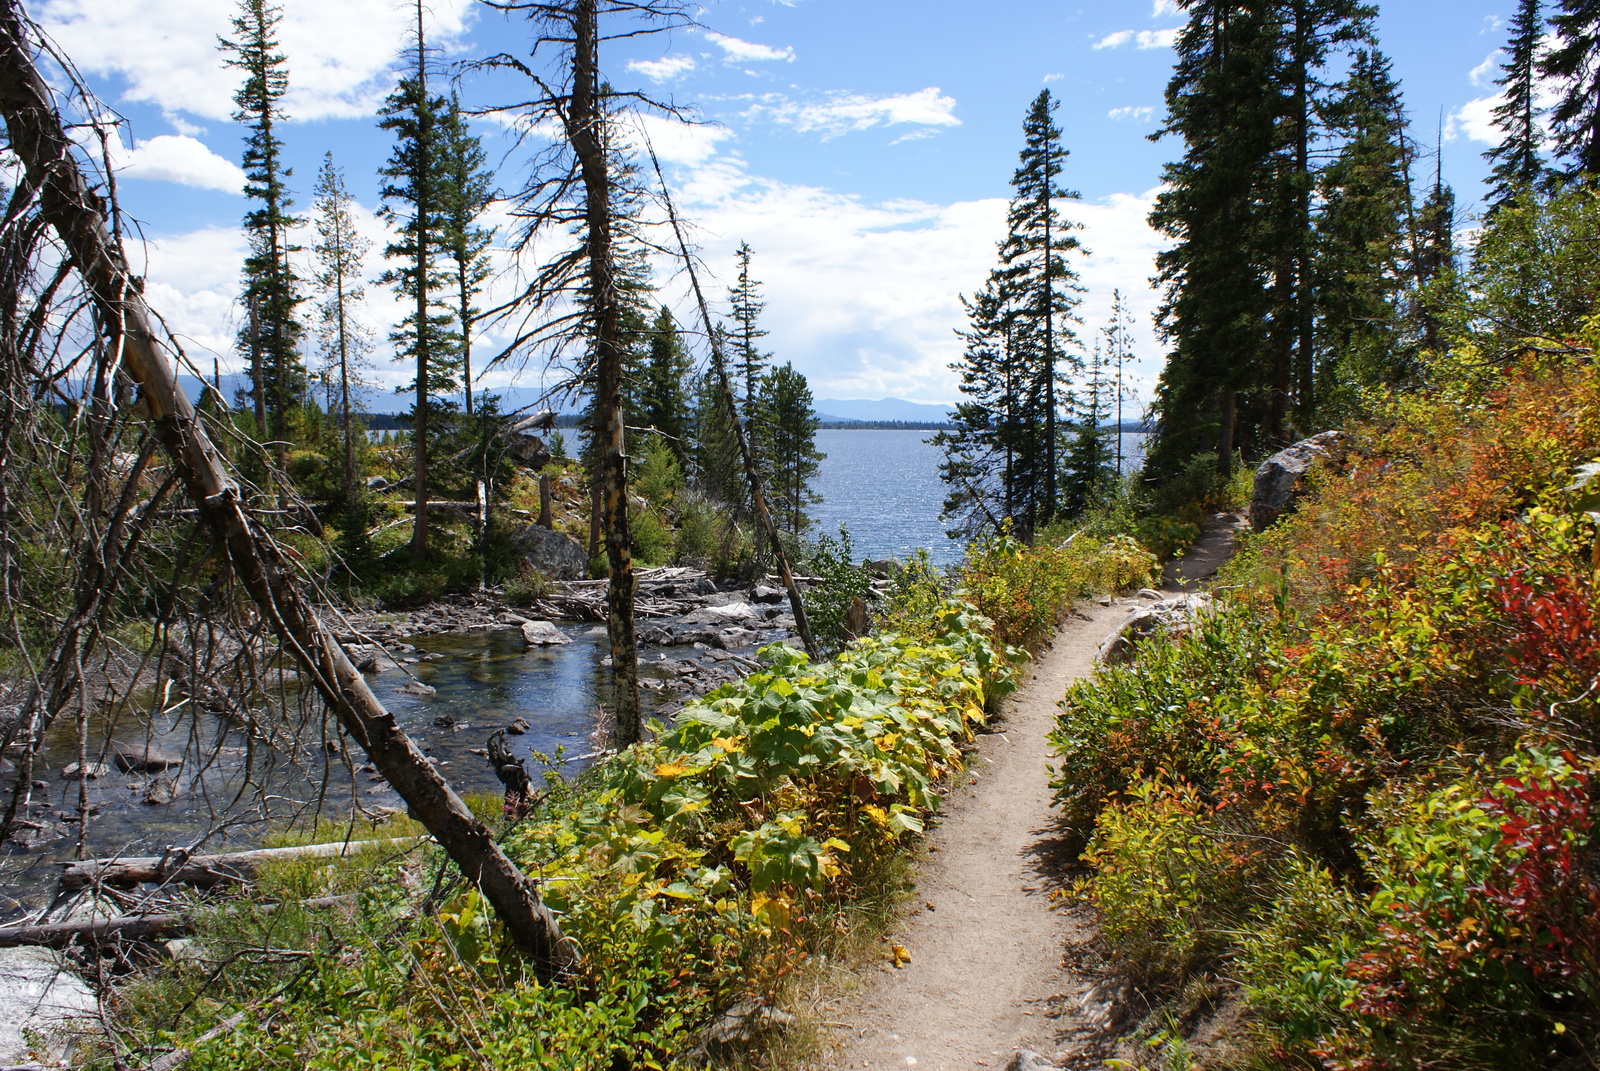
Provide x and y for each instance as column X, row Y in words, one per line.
column 1518, row 159
column 745, row 297
column 466, row 186
column 271, row 335
column 341, row 280
column 1575, row 62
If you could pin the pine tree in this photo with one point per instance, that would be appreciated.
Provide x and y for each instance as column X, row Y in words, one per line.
column 1117, row 335
column 271, row 335
column 1518, row 160
column 989, row 432
column 1090, row 468
column 789, row 458
column 466, row 187
column 341, row 281
column 1361, row 233
column 663, row 395
column 414, row 207
column 1575, row 63
column 1003, row 455
column 716, row 468
column 1222, row 101
column 1433, row 266
column 745, row 297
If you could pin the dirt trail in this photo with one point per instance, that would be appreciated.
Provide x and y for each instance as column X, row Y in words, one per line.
column 993, row 968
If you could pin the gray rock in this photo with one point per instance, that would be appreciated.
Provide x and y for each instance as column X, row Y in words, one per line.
column 42, row 997
column 528, row 450
column 762, row 593
column 1280, row 478
column 161, row 791
column 543, row 634
column 734, row 613
column 555, row 554
column 883, row 568
column 1028, row 1060
column 656, row 636
column 94, row 772
column 417, row 688
column 143, row 758
column 730, row 639
column 1172, row 616
column 738, row 1026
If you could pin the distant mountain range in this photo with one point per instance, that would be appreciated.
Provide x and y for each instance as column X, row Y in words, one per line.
column 843, row 410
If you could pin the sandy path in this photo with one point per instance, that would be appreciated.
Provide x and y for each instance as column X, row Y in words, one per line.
column 993, row 967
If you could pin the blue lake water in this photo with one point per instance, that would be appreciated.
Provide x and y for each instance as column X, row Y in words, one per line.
column 884, row 486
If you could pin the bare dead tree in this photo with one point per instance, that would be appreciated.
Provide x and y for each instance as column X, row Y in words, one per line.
column 719, row 364
column 575, row 296
column 128, row 359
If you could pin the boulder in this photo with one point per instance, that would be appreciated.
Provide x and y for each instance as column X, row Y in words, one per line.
column 764, row 594
column 527, row 449
column 1280, row 478
column 1174, row 616
column 555, row 554
column 735, row 613
column 418, row 689
column 543, row 634
column 731, row 639
column 92, row 771
column 884, row 568
column 43, row 995
column 161, row 791
column 143, row 758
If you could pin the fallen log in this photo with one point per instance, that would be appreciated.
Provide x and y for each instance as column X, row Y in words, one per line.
column 127, row 927
column 203, row 871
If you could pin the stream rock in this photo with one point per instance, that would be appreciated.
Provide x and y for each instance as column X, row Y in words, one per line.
column 93, row 771
column 143, row 758
column 555, row 554
column 42, row 998
column 732, row 613
column 543, row 634
column 1280, row 479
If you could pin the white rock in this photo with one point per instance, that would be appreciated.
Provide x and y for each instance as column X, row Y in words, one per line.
column 543, row 634
column 43, row 998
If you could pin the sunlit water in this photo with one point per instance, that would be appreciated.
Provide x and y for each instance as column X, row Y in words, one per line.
column 884, row 486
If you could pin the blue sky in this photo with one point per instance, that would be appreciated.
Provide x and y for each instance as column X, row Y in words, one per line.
column 862, row 147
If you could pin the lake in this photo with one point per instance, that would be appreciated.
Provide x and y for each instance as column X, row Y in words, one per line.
column 884, row 486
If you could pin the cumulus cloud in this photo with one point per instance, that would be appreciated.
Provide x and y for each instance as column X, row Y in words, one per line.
column 1486, row 72
column 847, row 112
column 181, row 159
column 1164, row 9
column 1142, row 113
column 737, row 51
column 1144, row 39
column 665, row 69
column 341, row 55
column 677, row 142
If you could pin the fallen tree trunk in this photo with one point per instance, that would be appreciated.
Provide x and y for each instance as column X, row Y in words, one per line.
column 51, row 173
column 202, row 871
column 127, row 927
column 720, row 365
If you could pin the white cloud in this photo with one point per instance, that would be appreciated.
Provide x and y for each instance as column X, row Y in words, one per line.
column 1052, row 78
column 844, row 113
column 340, row 54
column 737, row 51
column 677, row 142
column 1144, row 39
column 664, row 69
column 1475, row 121
column 1486, row 72
column 176, row 158
column 1141, row 113
column 1163, row 8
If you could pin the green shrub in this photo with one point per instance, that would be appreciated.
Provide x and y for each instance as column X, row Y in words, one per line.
column 842, row 583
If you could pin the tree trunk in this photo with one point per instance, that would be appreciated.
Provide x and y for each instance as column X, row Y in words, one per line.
column 73, row 210
column 1230, row 418
column 584, row 123
column 422, row 182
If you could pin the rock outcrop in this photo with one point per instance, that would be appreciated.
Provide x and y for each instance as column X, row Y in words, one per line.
column 555, row 554
column 1280, row 478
